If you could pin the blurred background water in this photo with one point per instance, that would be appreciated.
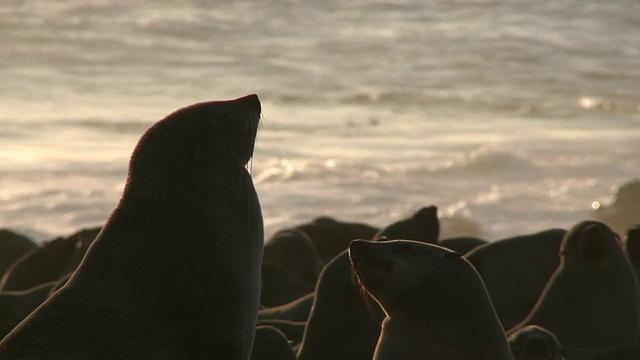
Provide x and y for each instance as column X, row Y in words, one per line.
column 512, row 115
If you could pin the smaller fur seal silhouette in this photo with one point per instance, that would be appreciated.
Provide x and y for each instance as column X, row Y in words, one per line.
column 435, row 303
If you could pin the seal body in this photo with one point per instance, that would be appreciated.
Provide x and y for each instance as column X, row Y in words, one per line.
column 175, row 272
column 435, row 303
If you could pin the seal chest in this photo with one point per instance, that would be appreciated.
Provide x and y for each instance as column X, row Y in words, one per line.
column 175, row 272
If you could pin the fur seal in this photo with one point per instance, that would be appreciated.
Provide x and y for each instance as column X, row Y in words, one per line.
column 294, row 251
column 342, row 325
column 50, row 262
column 332, row 236
column 535, row 343
column 175, row 272
column 271, row 344
column 435, row 303
column 591, row 300
column 421, row 226
column 516, row 269
column 12, row 246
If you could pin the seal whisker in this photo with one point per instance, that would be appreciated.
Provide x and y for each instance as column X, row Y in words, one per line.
column 367, row 299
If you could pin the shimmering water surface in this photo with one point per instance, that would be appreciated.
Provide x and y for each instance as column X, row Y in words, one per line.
column 515, row 115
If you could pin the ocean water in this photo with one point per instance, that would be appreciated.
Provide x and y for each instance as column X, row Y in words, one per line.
column 511, row 116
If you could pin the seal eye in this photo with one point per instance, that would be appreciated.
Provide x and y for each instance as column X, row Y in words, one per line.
column 452, row 255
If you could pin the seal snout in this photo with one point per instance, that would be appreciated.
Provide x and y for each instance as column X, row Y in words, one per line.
column 236, row 122
column 361, row 250
column 251, row 102
column 250, row 105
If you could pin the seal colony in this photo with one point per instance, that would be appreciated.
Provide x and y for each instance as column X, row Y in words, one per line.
column 180, row 270
column 175, row 272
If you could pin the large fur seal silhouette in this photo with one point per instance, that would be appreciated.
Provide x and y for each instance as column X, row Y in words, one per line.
column 175, row 272
column 436, row 304
column 591, row 301
column 515, row 271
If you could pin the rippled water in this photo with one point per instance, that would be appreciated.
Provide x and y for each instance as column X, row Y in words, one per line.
column 516, row 115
